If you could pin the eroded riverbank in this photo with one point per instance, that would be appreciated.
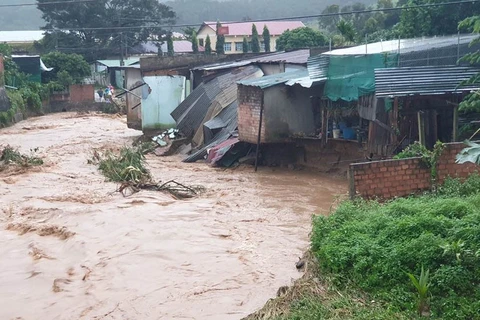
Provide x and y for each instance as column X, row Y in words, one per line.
column 72, row 249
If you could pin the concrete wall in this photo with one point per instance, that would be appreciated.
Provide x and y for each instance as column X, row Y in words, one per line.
column 133, row 78
column 287, row 111
column 82, row 93
column 397, row 178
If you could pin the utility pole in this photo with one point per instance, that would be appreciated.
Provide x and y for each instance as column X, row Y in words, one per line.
column 122, row 62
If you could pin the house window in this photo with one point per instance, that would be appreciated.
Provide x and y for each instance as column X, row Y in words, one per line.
column 201, row 43
column 227, row 47
column 262, row 46
column 239, row 46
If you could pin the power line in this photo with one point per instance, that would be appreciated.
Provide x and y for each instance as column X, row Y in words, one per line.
column 44, row 4
column 431, row 5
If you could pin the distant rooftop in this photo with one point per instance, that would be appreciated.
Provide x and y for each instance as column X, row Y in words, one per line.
column 21, row 36
column 179, row 46
column 276, row 28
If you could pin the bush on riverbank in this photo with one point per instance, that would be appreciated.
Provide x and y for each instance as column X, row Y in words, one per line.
column 373, row 246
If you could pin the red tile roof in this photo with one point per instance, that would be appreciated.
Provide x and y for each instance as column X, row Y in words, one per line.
column 276, row 28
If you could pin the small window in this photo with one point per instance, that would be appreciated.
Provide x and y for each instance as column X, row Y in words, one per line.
column 201, row 43
column 227, row 46
column 239, row 46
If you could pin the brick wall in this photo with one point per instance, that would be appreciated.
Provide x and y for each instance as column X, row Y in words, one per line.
column 397, row 178
column 82, row 93
column 447, row 166
column 249, row 102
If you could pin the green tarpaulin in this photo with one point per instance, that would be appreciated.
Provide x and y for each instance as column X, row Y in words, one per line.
column 350, row 77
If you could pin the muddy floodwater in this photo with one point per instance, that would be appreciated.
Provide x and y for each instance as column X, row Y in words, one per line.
column 72, row 248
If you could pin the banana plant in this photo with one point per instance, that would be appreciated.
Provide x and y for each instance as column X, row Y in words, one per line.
column 470, row 153
column 422, row 284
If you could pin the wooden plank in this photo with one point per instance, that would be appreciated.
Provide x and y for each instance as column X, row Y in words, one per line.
column 455, row 124
column 421, row 127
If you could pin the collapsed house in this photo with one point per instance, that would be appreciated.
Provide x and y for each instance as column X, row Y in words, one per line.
column 209, row 116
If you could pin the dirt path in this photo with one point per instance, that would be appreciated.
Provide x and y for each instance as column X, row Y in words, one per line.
column 70, row 249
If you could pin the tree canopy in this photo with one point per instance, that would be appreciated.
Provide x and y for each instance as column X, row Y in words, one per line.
column 67, row 68
column 266, row 38
column 208, row 45
column 220, row 44
column 73, row 19
column 255, row 39
column 300, row 38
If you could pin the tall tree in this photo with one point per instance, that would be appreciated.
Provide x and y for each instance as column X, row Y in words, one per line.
column 266, row 38
column 170, row 47
column 472, row 102
column 208, row 45
column 245, row 45
column 194, row 42
column 347, row 30
column 300, row 38
column 220, row 45
column 255, row 40
column 80, row 19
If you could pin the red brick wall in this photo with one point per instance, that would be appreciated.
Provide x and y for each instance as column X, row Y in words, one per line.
column 82, row 93
column 397, row 178
column 447, row 166
column 249, row 102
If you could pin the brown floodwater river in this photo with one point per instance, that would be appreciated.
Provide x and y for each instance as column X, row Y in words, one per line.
column 72, row 248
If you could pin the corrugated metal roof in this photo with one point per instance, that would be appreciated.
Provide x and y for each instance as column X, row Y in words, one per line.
column 191, row 112
column 229, row 116
column 405, row 45
column 398, row 82
column 116, row 63
column 275, row 79
column 318, row 67
column 292, row 57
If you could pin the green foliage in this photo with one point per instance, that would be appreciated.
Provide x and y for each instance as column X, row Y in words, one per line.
column 170, row 48
column 194, row 42
column 470, row 153
column 10, row 156
column 220, row 45
column 255, row 39
column 95, row 44
column 424, row 21
column 347, row 31
column 300, row 38
column 429, row 157
column 421, row 284
column 455, row 188
column 266, row 38
column 67, row 68
column 208, row 45
column 126, row 166
column 471, row 103
column 372, row 245
column 245, row 45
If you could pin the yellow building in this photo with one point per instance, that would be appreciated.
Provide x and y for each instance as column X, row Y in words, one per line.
column 235, row 32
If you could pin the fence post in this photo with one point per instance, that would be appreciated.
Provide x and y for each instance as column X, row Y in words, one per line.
column 351, row 179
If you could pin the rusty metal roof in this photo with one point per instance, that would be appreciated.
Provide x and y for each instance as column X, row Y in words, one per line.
column 291, row 57
column 428, row 80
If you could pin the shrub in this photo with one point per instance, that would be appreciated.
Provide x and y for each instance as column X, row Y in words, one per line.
column 375, row 245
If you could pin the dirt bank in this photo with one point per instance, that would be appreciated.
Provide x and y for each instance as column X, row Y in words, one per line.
column 71, row 249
